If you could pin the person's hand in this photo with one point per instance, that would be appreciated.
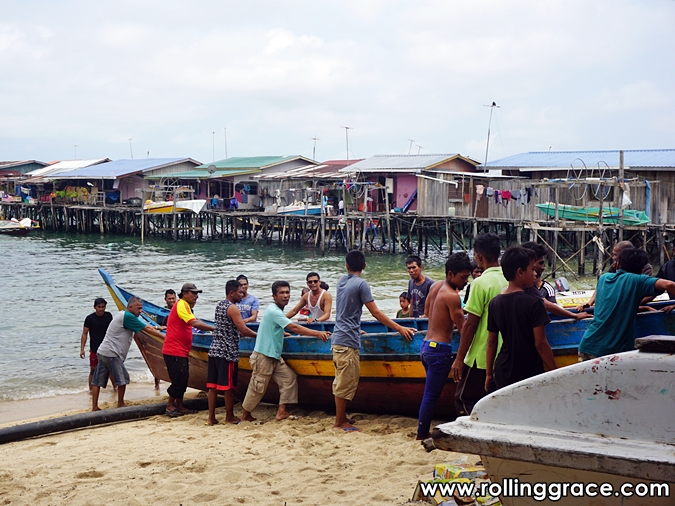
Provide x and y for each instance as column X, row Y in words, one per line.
column 487, row 381
column 323, row 336
column 407, row 332
column 81, row 353
column 582, row 315
column 668, row 309
column 457, row 368
column 310, row 319
column 160, row 327
column 581, row 307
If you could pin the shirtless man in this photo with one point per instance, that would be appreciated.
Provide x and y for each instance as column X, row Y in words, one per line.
column 318, row 301
column 444, row 308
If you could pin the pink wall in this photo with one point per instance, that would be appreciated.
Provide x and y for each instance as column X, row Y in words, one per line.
column 404, row 186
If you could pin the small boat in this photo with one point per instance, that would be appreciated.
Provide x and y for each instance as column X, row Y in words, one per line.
column 392, row 375
column 181, row 206
column 298, row 208
column 16, row 227
column 608, row 420
column 610, row 215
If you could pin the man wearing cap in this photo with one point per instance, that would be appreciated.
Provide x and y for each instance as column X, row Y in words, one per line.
column 177, row 346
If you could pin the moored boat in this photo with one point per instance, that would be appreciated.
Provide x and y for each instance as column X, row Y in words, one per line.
column 301, row 209
column 607, row 420
column 610, row 215
column 195, row 206
column 16, row 227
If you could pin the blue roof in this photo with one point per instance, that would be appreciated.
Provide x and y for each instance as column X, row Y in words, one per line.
column 118, row 168
column 252, row 162
column 635, row 158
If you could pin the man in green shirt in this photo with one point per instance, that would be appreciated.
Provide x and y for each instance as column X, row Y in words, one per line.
column 468, row 369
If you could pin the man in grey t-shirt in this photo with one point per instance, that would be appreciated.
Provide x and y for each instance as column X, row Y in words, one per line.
column 352, row 294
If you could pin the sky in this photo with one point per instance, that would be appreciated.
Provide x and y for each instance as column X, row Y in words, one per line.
column 205, row 79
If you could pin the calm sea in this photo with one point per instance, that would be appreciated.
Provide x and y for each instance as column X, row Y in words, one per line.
column 49, row 282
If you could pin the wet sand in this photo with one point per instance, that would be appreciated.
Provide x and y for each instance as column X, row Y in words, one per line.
column 164, row 460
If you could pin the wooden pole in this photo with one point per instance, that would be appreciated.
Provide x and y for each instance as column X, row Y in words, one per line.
column 388, row 220
column 598, row 249
column 621, row 177
column 323, row 223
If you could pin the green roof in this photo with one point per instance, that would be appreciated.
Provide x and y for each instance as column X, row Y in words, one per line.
column 204, row 174
column 249, row 162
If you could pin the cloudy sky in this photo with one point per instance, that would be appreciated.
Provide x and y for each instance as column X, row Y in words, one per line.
column 172, row 76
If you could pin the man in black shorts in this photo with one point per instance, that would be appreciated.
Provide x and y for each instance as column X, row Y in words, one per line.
column 95, row 325
column 224, row 352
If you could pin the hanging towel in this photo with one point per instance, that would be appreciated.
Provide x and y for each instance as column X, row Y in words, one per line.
column 516, row 195
column 467, row 198
column 489, row 191
column 506, row 195
column 498, row 197
column 479, row 191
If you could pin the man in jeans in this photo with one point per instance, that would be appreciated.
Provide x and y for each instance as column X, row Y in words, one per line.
column 266, row 360
column 445, row 310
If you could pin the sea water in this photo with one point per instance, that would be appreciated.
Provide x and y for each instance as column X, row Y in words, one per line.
column 48, row 283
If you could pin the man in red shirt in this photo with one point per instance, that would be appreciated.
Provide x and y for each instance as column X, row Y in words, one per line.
column 177, row 346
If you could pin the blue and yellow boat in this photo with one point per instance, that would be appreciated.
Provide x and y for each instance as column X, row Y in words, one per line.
column 392, row 375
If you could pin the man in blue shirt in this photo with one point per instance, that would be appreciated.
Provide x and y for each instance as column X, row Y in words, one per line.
column 618, row 296
column 266, row 360
column 249, row 304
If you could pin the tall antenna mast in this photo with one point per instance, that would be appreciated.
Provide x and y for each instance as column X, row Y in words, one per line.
column 131, row 150
column 213, row 146
column 225, row 142
column 75, row 151
column 347, row 129
column 315, row 138
column 410, row 147
column 487, row 146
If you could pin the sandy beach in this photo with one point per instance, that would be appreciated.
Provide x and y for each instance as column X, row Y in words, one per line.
column 164, row 460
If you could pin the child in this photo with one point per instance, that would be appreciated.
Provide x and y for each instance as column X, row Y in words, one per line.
column 406, row 310
column 520, row 318
column 476, row 271
column 304, row 312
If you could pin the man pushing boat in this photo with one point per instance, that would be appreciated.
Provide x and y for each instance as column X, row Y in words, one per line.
column 266, row 361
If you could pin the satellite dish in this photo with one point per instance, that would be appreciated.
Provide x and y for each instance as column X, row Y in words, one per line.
column 211, row 169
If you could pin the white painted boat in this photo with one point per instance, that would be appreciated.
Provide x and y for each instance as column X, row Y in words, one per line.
column 301, row 209
column 16, row 227
column 608, row 420
column 195, row 206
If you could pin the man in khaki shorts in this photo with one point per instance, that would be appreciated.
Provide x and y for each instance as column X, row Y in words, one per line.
column 352, row 294
column 266, row 360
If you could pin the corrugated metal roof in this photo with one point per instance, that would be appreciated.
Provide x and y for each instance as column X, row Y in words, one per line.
column 118, row 168
column 65, row 165
column 402, row 163
column 10, row 164
column 204, row 174
column 638, row 158
column 252, row 162
column 323, row 171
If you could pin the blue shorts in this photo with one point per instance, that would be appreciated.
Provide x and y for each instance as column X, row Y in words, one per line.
column 105, row 366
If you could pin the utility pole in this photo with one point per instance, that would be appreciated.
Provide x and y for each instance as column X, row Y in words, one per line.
column 487, row 146
column 225, row 142
column 75, row 145
column 347, row 129
column 213, row 146
column 131, row 150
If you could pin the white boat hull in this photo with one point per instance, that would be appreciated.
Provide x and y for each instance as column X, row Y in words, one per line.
column 195, row 206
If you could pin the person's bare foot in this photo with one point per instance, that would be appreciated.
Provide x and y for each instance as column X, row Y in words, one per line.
column 96, row 409
column 282, row 415
column 247, row 417
column 212, row 422
column 234, row 420
column 121, row 405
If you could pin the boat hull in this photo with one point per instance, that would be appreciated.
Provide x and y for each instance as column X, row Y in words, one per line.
column 195, row 206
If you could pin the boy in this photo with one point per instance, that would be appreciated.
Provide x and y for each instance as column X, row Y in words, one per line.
column 95, row 325
column 468, row 369
column 404, row 302
column 418, row 286
column 266, row 360
column 520, row 318
column 224, row 352
column 618, row 296
column 436, row 353
column 352, row 294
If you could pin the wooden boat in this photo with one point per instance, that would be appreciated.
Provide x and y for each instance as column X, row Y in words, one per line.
column 608, row 420
column 591, row 214
column 195, row 206
column 392, row 375
column 15, row 227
